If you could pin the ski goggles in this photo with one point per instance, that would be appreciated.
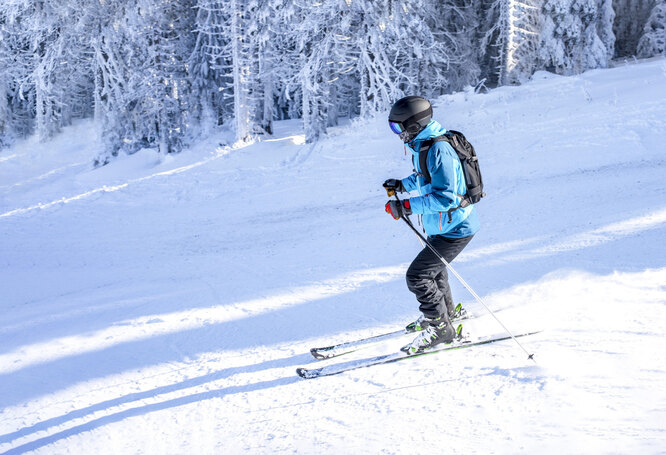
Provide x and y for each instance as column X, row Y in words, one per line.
column 396, row 127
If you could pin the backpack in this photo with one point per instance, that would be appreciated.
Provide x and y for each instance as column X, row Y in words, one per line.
column 468, row 160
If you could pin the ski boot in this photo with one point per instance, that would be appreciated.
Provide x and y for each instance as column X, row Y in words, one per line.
column 437, row 331
column 422, row 323
column 459, row 313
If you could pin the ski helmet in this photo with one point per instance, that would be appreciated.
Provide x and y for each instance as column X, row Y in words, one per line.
column 409, row 115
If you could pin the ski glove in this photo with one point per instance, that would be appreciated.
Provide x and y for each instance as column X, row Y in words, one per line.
column 398, row 208
column 393, row 185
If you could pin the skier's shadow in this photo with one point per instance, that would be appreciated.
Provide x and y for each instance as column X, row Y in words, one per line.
column 145, row 409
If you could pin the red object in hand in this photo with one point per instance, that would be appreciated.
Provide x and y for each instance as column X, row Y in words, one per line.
column 396, row 209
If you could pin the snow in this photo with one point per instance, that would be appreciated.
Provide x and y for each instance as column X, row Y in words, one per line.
column 161, row 305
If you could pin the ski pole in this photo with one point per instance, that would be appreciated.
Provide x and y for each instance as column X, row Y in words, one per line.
column 464, row 283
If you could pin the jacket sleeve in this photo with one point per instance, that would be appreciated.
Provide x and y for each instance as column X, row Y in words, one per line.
column 446, row 178
column 409, row 182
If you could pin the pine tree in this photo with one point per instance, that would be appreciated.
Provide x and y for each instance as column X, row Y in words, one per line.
column 6, row 53
column 16, row 68
column 489, row 40
column 113, row 92
column 630, row 19
column 570, row 37
column 6, row 127
column 454, row 25
column 155, row 72
column 45, row 76
column 318, row 28
column 604, row 24
column 518, row 38
column 206, row 79
column 142, row 86
column 236, row 47
column 211, row 61
column 653, row 41
column 42, row 24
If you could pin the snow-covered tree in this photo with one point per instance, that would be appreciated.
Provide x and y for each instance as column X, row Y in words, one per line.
column 605, row 20
column 653, row 41
column 377, row 40
column 454, row 25
column 143, row 85
column 630, row 19
column 5, row 111
column 155, row 72
column 241, row 61
column 487, row 39
column 379, row 51
column 210, row 64
column 326, row 49
column 159, row 50
column 519, row 26
column 570, row 37
column 6, row 83
column 267, row 47
column 314, row 36
column 237, row 51
column 44, row 65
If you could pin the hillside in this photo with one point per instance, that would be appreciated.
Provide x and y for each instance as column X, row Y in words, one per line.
column 161, row 304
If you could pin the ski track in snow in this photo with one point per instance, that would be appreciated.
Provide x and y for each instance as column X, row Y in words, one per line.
column 161, row 305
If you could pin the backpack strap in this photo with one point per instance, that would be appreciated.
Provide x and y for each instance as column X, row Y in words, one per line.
column 423, row 155
column 423, row 165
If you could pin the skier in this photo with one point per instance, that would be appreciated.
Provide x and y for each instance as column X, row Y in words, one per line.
column 449, row 226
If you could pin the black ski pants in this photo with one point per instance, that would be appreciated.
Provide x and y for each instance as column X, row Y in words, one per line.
column 428, row 279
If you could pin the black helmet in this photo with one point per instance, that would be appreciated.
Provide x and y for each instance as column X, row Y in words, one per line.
column 409, row 115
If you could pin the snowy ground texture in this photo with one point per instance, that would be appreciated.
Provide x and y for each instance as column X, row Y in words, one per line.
column 161, row 305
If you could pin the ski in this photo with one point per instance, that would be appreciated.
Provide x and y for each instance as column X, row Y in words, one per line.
column 351, row 346
column 328, row 370
column 336, row 350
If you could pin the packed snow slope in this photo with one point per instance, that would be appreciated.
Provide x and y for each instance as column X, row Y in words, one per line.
column 160, row 305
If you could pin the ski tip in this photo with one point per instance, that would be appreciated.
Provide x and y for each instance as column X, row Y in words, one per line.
column 302, row 372
column 307, row 374
column 315, row 353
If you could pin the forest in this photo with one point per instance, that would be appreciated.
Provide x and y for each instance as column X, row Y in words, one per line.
column 163, row 73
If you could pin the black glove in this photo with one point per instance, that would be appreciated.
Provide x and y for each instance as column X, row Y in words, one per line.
column 398, row 208
column 394, row 185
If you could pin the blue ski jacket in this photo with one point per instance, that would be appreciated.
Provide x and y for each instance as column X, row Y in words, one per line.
column 442, row 193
